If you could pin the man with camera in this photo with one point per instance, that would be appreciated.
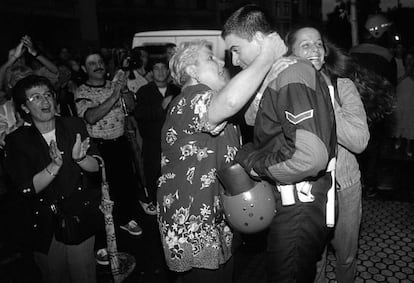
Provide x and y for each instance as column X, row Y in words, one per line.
column 99, row 102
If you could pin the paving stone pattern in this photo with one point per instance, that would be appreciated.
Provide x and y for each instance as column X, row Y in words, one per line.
column 386, row 246
column 386, row 243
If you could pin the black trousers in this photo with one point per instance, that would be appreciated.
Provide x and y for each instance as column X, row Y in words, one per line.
column 151, row 150
column 124, row 187
column 370, row 159
column 296, row 239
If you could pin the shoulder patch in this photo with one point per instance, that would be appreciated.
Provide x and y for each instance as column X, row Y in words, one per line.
column 296, row 119
column 302, row 72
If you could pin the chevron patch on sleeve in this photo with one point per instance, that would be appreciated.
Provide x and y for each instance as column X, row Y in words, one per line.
column 296, row 119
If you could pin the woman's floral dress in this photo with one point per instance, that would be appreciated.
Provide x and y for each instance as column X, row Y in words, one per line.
column 193, row 233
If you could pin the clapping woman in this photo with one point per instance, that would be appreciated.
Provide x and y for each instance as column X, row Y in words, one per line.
column 50, row 163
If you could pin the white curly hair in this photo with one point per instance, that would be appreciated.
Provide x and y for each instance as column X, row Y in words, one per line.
column 185, row 55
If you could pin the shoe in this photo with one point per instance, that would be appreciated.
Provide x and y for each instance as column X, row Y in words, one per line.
column 102, row 257
column 132, row 228
column 385, row 187
column 149, row 208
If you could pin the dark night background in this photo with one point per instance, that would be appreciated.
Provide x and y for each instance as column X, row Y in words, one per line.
column 77, row 24
column 81, row 24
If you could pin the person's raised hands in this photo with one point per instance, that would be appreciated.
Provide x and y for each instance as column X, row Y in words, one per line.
column 55, row 154
column 27, row 41
column 119, row 82
column 18, row 51
column 80, row 147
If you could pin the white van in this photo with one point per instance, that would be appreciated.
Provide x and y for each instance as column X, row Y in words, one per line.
column 156, row 40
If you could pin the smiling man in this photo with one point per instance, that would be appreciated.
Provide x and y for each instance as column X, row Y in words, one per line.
column 294, row 149
column 98, row 102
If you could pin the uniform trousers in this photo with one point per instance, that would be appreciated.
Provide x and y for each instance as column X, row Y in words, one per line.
column 296, row 239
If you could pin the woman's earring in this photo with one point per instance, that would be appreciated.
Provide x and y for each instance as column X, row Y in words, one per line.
column 25, row 109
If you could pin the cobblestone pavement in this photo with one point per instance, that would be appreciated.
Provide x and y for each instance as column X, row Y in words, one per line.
column 386, row 246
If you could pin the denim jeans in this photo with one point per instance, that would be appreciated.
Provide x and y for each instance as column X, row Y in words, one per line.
column 345, row 240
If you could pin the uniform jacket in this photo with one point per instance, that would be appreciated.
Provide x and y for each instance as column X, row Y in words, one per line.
column 294, row 132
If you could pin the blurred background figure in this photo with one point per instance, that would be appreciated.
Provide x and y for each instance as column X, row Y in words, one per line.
column 39, row 63
column 134, row 64
column 404, row 111
column 399, row 55
column 150, row 111
column 10, row 120
column 374, row 54
column 170, row 49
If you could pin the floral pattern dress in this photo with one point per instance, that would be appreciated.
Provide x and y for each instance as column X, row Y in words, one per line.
column 193, row 231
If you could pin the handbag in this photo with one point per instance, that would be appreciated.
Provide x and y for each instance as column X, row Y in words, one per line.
column 73, row 229
column 69, row 229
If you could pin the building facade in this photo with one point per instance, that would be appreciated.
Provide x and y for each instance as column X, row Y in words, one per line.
column 60, row 23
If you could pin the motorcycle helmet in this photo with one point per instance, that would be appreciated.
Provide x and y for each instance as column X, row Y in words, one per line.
column 249, row 207
column 251, row 211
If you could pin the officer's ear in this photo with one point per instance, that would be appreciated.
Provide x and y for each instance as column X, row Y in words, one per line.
column 259, row 36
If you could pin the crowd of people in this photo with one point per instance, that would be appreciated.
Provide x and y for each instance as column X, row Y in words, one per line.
column 163, row 127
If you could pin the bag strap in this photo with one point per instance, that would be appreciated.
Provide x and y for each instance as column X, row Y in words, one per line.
column 336, row 92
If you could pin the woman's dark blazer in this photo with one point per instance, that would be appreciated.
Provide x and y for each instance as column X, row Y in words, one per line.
column 27, row 153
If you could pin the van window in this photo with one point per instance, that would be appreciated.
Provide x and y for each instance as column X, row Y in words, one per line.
column 153, row 39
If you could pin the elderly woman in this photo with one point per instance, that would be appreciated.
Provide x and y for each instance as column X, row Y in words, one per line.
column 50, row 163
column 353, row 135
column 197, row 141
